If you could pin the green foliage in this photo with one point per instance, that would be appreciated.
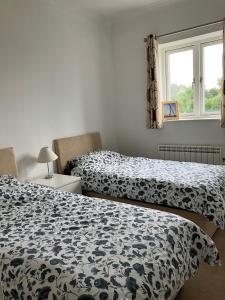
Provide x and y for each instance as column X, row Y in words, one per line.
column 184, row 95
column 213, row 98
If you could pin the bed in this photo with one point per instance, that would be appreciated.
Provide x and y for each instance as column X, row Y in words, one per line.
column 8, row 162
column 93, row 184
column 58, row 245
column 7, row 166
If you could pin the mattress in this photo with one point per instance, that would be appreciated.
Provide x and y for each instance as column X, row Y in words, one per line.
column 58, row 245
column 193, row 187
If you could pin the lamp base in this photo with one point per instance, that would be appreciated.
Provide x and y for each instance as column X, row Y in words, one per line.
column 49, row 176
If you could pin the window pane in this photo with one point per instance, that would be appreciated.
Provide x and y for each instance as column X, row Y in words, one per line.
column 181, row 79
column 212, row 77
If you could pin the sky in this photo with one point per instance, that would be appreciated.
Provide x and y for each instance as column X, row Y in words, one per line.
column 182, row 63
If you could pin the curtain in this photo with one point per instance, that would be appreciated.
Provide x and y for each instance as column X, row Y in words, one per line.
column 154, row 119
column 223, row 92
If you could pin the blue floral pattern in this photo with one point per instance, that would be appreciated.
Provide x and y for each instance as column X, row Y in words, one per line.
column 191, row 186
column 57, row 245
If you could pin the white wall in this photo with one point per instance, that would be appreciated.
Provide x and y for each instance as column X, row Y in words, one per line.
column 62, row 74
column 130, row 77
column 54, row 77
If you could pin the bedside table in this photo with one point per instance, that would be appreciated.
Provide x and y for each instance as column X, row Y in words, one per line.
column 65, row 183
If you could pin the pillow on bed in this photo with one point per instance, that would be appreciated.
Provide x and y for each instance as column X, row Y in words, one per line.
column 102, row 156
column 7, row 185
column 72, row 164
column 7, row 179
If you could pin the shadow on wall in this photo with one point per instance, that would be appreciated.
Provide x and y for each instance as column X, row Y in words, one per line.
column 26, row 163
column 54, row 163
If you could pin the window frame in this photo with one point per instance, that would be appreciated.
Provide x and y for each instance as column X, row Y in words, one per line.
column 167, row 66
column 201, row 84
column 196, row 43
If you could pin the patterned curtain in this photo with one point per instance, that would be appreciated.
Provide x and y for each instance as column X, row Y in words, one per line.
column 154, row 119
column 223, row 100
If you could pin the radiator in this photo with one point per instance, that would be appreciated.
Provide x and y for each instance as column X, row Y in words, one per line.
column 207, row 154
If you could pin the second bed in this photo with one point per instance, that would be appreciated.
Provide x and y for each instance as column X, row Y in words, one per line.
column 192, row 190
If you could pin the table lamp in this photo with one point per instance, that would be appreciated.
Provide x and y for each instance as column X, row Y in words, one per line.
column 46, row 155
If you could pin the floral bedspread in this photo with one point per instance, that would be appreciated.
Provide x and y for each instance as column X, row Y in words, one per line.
column 191, row 186
column 58, row 245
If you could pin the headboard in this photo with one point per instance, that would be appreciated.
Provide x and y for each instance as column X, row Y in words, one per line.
column 70, row 147
column 8, row 162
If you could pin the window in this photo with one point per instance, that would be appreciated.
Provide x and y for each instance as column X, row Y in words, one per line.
column 191, row 73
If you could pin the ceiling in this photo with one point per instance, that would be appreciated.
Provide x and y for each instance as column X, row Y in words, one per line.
column 112, row 7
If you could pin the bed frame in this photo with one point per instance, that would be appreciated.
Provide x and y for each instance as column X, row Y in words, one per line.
column 8, row 162
column 68, row 148
column 7, row 167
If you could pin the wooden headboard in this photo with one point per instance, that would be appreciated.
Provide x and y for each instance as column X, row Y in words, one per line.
column 8, row 162
column 70, row 147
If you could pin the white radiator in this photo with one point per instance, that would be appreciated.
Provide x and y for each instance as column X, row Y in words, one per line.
column 207, row 154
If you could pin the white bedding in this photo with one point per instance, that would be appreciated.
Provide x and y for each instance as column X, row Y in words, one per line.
column 57, row 245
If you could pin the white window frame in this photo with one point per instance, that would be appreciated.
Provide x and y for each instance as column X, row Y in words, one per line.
column 197, row 44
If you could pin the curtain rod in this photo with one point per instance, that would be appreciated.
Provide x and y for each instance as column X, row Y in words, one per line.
column 189, row 28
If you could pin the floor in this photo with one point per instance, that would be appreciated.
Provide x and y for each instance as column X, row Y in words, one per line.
column 209, row 282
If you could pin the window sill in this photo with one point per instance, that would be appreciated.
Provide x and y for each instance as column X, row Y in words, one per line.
column 217, row 118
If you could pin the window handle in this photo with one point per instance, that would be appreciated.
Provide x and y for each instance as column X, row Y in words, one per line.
column 201, row 80
column 193, row 83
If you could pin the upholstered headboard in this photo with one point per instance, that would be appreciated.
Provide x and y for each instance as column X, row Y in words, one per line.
column 70, row 147
column 8, row 162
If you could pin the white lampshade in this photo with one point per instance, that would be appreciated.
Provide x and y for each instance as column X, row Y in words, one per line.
column 46, row 155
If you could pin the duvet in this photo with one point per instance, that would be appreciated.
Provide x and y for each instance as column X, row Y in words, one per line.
column 57, row 245
column 191, row 186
